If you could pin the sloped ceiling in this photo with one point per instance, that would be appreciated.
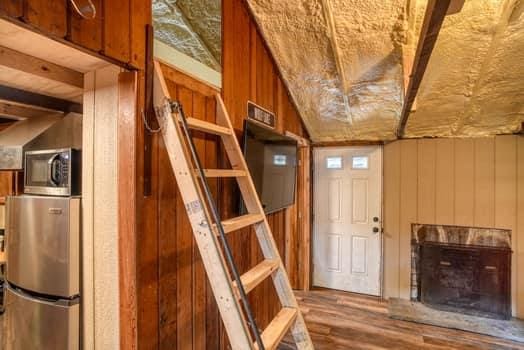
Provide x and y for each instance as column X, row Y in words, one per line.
column 346, row 62
column 473, row 84
column 369, row 34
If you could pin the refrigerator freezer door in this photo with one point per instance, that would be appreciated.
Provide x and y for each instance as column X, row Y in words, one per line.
column 36, row 324
column 43, row 244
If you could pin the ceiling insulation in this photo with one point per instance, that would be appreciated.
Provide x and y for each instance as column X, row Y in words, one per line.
column 192, row 27
column 369, row 37
column 360, row 49
column 473, row 85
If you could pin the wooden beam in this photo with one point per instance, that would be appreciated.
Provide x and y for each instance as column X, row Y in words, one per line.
column 33, row 65
column 330, row 21
column 19, row 111
column 127, row 207
column 11, row 94
column 301, row 141
column 435, row 13
column 347, row 143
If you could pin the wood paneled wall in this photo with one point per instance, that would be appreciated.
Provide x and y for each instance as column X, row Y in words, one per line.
column 176, row 309
column 118, row 31
column 466, row 182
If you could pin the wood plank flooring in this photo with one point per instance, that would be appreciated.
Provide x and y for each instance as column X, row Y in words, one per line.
column 339, row 320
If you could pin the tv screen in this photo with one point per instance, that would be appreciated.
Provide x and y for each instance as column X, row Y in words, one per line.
column 272, row 162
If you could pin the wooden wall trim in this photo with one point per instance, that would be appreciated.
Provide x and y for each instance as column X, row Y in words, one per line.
column 188, row 65
column 127, row 186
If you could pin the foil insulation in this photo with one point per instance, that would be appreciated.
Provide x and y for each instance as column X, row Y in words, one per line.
column 192, row 27
column 370, row 36
column 474, row 83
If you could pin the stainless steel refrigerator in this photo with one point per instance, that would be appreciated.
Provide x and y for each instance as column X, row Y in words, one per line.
column 43, row 273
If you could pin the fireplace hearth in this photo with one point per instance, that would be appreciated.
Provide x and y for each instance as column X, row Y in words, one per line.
column 462, row 269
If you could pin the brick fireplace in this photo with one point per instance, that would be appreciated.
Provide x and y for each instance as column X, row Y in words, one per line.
column 462, row 269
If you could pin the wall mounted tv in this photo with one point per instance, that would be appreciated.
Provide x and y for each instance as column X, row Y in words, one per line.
column 272, row 162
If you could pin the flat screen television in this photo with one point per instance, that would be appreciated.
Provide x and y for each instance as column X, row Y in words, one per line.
column 272, row 162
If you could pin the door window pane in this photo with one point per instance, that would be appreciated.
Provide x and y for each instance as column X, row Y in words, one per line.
column 359, row 162
column 334, row 162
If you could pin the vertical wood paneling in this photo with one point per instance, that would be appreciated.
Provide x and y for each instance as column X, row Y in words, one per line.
column 140, row 16
column 117, row 31
column 167, row 243
column 444, row 181
column 464, row 181
column 407, row 211
column 487, row 182
column 199, row 274
column 49, row 16
column 212, row 326
column 518, row 254
column 426, row 181
column 86, row 32
column 391, row 219
column 12, row 8
column 506, row 194
column 117, row 34
column 484, row 182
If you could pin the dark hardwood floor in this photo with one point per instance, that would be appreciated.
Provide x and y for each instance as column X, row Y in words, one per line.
column 339, row 320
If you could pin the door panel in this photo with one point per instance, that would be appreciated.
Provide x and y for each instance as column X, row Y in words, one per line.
column 39, row 324
column 347, row 196
column 43, row 244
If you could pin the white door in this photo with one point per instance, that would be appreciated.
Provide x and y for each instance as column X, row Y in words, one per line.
column 347, row 240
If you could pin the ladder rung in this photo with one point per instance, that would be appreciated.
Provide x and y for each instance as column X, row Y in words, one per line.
column 211, row 128
column 241, row 222
column 278, row 328
column 257, row 274
column 223, row 173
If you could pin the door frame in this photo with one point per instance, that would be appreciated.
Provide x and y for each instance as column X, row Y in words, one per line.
column 345, row 144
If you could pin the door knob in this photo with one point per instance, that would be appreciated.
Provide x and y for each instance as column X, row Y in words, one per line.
column 375, row 230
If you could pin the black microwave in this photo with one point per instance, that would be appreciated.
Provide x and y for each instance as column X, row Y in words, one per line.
column 54, row 172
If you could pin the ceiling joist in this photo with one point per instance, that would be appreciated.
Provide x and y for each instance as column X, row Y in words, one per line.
column 33, row 99
column 19, row 111
column 436, row 11
column 39, row 67
column 330, row 21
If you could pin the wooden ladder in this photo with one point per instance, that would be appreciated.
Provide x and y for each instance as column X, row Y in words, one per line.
column 229, row 287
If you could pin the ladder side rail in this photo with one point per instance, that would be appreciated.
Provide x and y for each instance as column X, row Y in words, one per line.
column 220, row 228
column 200, row 221
column 263, row 230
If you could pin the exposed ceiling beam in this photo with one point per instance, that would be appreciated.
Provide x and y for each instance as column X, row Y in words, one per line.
column 19, row 111
column 455, row 6
column 436, row 11
column 330, row 21
column 33, row 99
column 33, row 65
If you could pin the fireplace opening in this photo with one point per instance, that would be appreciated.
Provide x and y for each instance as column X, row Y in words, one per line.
column 462, row 269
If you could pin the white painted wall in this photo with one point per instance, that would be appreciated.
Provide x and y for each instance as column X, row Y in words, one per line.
column 100, row 292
